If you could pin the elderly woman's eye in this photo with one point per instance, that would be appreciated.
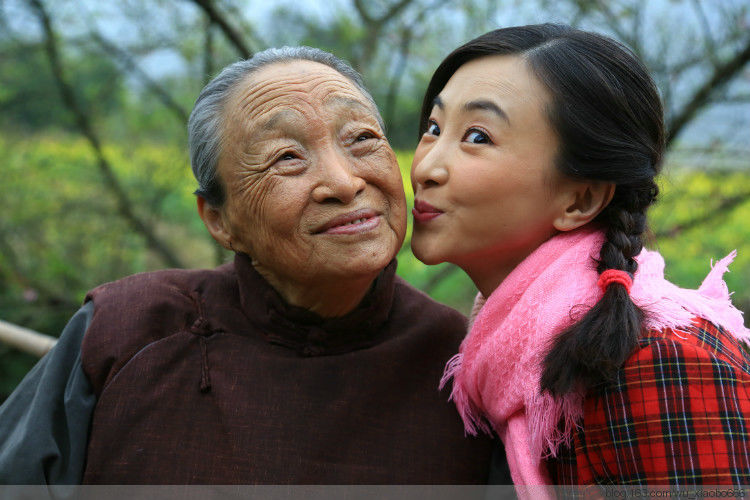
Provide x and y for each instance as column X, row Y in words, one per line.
column 287, row 156
column 432, row 128
column 476, row 136
column 364, row 136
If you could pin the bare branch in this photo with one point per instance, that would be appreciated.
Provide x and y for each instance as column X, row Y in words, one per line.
column 220, row 253
column 613, row 23
column 124, row 203
column 373, row 27
column 726, row 205
column 218, row 19
column 208, row 51
column 368, row 19
column 708, row 37
column 407, row 36
column 740, row 98
column 14, row 272
column 721, row 75
column 637, row 24
column 26, row 340
column 394, row 10
column 127, row 61
column 359, row 6
column 398, row 73
column 234, row 11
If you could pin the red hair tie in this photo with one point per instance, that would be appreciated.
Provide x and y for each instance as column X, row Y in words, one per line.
column 614, row 276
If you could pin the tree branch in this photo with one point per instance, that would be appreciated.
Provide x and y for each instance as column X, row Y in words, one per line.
column 26, row 340
column 208, row 51
column 359, row 6
column 407, row 36
column 726, row 205
column 218, row 19
column 721, row 75
column 150, row 84
column 612, row 21
column 14, row 272
column 708, row 37
column 398, row 73
column 124, row 203
column 394, row 10
column 373, row 27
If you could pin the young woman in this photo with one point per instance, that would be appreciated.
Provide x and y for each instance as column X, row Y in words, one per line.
column 535, row 167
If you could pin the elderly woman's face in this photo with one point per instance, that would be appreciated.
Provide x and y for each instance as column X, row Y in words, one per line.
column 313, row 188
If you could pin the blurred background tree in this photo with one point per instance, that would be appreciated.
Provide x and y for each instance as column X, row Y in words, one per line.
column 94, row 98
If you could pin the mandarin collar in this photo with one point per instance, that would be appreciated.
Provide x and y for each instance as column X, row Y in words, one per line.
column 306, row 332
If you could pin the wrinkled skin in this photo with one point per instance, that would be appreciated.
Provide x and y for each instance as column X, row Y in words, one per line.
column 303, row 153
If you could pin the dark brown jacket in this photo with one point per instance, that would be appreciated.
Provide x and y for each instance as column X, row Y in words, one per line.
column 210, row 377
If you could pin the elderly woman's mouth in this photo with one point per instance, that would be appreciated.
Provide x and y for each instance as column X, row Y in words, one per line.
column 359, row 221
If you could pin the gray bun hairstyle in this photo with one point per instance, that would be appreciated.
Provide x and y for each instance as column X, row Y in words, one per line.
column 206, row 119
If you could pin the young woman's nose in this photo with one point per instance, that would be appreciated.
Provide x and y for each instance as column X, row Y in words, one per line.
column 431, row 169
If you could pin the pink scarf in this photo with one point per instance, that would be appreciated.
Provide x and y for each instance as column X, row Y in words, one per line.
column 497, row 370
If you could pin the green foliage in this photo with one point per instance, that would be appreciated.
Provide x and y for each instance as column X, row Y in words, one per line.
column 30, row 98
column 687, row 195
column 61, row 231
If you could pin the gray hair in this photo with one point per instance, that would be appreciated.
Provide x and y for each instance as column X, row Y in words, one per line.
column 205, row 123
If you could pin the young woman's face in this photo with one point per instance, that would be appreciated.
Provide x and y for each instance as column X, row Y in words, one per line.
column 486, row 188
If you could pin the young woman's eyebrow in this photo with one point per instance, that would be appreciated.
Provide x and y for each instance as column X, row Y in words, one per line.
column 484, row 105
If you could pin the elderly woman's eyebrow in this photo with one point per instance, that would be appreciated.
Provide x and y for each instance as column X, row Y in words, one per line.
column 284, row 114
column 353, row 104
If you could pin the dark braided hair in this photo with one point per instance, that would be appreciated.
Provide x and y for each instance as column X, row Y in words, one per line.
column 608, row 116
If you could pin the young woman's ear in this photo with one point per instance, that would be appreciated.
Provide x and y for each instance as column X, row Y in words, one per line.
column 214, row 221
column 583, row 202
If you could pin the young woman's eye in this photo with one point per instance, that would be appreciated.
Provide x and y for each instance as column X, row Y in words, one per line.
column 476, row 136
column 432, row 128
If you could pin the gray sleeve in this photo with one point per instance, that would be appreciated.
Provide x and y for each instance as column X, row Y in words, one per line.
column 44, row 424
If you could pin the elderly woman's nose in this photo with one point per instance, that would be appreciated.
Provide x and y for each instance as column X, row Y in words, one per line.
column 339, row 179
column 431, row 169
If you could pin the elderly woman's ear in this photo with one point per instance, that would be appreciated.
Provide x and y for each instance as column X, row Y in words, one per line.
column 213, row 218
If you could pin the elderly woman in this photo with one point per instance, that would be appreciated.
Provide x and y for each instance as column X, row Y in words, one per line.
column 306, row 360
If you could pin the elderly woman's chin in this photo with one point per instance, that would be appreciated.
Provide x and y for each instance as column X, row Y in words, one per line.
column 360, row 255
column 344, row 253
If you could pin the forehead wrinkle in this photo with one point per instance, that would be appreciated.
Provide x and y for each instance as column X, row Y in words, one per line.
column 309, row 87
column 353, row 109
column 304, row 82
column 339, row 101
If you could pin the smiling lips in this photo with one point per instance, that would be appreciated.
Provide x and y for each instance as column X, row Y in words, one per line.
column 424, row 212
column 359, row 221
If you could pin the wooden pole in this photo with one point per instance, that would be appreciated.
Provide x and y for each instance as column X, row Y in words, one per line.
column 26, row 340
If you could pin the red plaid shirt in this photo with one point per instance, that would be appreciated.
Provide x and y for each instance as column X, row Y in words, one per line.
column 678, row 413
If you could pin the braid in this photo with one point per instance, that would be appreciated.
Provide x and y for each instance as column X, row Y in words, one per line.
column 625, row 219
column 591, row 351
